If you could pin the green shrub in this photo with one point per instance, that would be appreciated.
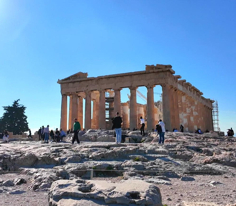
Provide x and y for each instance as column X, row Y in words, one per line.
column 110, row 167
column 137, row 159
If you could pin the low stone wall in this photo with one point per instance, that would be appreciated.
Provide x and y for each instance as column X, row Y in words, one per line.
column 11, row 136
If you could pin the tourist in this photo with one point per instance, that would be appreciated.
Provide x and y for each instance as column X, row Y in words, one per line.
column 42, row 133
column 62, row 134
column 57, row 135
column 46, row 134
column 142, row 122
column 199, row 131
column 76, row 128
column 29, row 136
column 230, row 132
column 39, row 133
column 52, row 136
column 181, row 128
column 163, row 130
column 175, row 130
column 117, row 126
column 159, row 130
column 5, row 136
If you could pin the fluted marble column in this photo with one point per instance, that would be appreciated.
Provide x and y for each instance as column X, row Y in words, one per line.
column 211, row 121
column 172, row 108
column 88, row 110
column 64, row 112
column 205, row 119
column 176, row 109
column 150, row 108
column 125, row 115
column 117, row 104
column 80, row 112
column 70, row 113
column 184, row 110
column 102, row 117
column 208, row 118
column 188, row 112
column 201, row 123
column 181, row 108
column 74, row 113
column 133, row 108
column 166, row 106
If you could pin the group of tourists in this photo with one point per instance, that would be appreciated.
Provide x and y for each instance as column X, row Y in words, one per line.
column 44, row 134
column 160, row 127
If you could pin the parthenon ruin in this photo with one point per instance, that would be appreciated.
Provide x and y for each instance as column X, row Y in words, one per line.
column 182, row 103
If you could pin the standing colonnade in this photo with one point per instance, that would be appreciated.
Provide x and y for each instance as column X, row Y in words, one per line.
column 182, row 102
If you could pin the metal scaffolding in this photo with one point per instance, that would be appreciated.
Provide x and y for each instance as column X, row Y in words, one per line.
column 215, row 115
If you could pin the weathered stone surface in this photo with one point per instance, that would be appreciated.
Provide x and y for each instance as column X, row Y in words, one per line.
column 128, row 192
column 184, row 155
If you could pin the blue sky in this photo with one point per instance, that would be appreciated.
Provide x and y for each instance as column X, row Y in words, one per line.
column 42, row 41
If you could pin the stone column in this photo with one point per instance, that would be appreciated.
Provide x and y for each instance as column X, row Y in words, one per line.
column 64, row 112
column 195, row 115
column 88, row 110
column 176, row 108
column 80, row 112
column 190, row 101
column 133, row 108
column 188, row 113
column 93, row 124
column 205, row 119
column 180, row 106
column 125, row 115
column 117, row 104
column 97, row 113
column 211, row 121
column 166, row 106
column 150, row 108
column 172, row 108
column 184, row 113
column 70, row 113
column 102, row 117
column 208, row 119
column 74, row 113
column 201, row 115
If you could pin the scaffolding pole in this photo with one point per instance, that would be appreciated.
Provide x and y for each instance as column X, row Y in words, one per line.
column 215, row 115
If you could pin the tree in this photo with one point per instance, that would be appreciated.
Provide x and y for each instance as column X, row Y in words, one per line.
column 14, row 119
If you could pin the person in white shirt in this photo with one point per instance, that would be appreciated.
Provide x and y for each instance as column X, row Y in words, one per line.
column 162, row 134
column 46, row 134
column 5, row 136
column 142, row 122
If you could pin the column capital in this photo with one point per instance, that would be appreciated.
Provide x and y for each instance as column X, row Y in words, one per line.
column 150, row 86
column 133, row 88
column 117, row 89
column 87, row 92
column 165, row 85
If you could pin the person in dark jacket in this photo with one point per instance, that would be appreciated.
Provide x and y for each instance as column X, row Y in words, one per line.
column 39, row 133
column 159, row 130
column 52, row 135
column 117, row 126
column 57, row 135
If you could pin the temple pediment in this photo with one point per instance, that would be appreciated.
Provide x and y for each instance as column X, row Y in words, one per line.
column 79, row 75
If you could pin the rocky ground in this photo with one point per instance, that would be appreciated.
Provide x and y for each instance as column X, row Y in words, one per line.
column 188, row 170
